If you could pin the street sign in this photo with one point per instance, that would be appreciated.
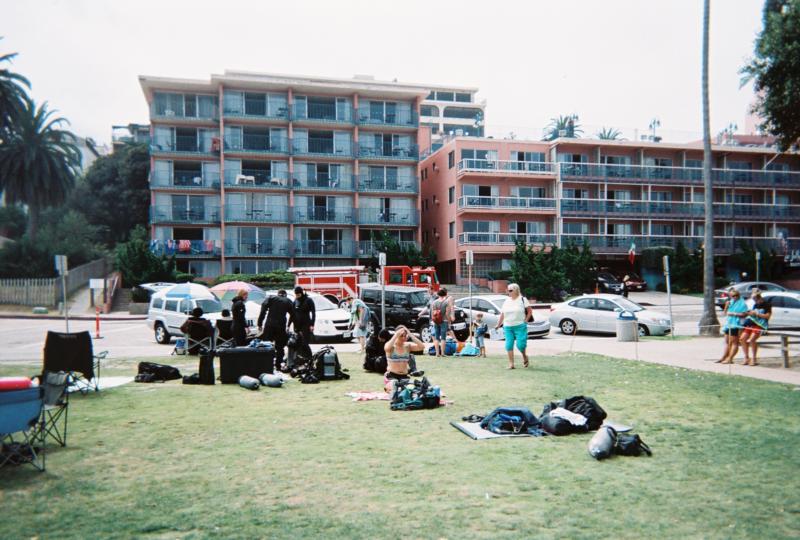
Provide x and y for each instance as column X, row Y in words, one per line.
column 470, row 257
column 61, row 265
column 381, row 259
column 97, row 283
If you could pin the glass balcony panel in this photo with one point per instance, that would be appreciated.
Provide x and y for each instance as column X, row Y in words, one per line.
column 176, row 214
column 399, row 217
column 322, row 214
column 257, row 214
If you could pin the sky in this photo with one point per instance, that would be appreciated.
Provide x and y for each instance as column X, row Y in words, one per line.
column 614, row 63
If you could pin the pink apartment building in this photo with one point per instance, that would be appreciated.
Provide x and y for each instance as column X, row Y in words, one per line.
column 483, row 194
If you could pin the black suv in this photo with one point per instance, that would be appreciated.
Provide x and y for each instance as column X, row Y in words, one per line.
column 404, row 305
column 607, row 283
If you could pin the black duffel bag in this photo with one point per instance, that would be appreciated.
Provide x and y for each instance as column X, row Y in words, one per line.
column 152, row 372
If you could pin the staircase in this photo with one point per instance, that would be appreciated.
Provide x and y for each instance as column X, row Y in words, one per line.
column 122, row 300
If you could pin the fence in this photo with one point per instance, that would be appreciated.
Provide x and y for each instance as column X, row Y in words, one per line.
column 47, row 291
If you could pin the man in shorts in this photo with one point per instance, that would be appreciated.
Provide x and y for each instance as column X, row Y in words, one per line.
column 442, row 314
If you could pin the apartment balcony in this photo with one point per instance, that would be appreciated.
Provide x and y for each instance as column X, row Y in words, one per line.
column 317, row 114
column 388, row 153
column 505, row 168
column 203, row 115
column 257, row 145
column 268, row 248
column 186, row 248
column 324, row 182
column 505, row 204
column 371, row 248
column 184, row 180
column 256, row 180
column 258, row 110
column 324, row 248
column 183, row 145
column 174, row 214
column 677, row 210
column 679, row 175
column 723, row 245
column 241, row 213
column 394, row 120
column 322, row 215
column 321, row 148
column 758, row 212
column 402, row 184
column 505, row 239
column 391, row 217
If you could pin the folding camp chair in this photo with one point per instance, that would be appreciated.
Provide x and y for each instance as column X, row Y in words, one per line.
column 56, row 406
column 224, row 334
column 20, row 411
column 200, row 344
column 73, row 354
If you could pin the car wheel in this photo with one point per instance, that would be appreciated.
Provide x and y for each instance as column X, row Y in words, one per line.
column 568, row 327
column 643, row 331
column 162, row 336
column 425, row 334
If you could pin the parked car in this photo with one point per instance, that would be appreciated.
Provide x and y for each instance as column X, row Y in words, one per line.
column 599, row 313
column 490, row 305
column 634, row 282
column 744, row 288
column 785, row 310
column 170, row 307
column 607, row 283
column 332, row 321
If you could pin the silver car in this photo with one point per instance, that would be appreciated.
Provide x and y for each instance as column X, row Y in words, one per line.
column 489, row 305
column 599, row 313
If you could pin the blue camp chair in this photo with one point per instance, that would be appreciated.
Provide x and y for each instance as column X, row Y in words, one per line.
column 20, row 411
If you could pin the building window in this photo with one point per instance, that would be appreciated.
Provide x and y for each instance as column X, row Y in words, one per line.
column 451, row 229
column 451, row 194
column 576, row 228
column 445, row 96
column 429, row 110
column 451, row 159
column 461, row 112
column 425, row 173
column 462, row 130
column 463, row 97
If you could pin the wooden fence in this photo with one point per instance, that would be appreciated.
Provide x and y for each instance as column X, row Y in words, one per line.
column 47, row 291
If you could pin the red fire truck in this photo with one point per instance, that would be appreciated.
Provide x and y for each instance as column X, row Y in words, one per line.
column 339, row 282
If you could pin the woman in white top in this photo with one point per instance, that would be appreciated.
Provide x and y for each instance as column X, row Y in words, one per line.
column 514, row 320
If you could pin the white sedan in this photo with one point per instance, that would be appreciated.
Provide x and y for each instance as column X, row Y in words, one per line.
column 489, row 305
column 785, row 310
column 599, row 313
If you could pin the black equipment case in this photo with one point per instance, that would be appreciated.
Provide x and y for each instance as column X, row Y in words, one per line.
column 237, row 361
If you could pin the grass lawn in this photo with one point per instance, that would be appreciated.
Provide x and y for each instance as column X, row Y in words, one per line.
column 168, row 461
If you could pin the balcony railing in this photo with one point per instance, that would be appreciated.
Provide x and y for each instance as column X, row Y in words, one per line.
column 182, row 144
column 274, row 248
column 402, row 184
column 174, row 214
column 324, row 248
column 387, row 152
column 324, row 182
column 185, row 248
column 259, row 110
column 723, row 244
column 508, row 167
column 322, row 113
column 507, row 203
column 371, row 248
column 679, row 210
column 259, row 214
column 321, row 147
column 679, row 175
column 185, row 180
column 322, row 214
column 402, row 118
column 258, row 178
column 203, row 113
column 505, row 238
column 257, row 144
column 397, row 217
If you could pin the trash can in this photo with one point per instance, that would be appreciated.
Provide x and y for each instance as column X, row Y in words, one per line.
column 627, row 327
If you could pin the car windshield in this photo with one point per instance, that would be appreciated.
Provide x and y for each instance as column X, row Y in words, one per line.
column 607, row 277
column 209, row 305
column 323, row 304
column 627, row 305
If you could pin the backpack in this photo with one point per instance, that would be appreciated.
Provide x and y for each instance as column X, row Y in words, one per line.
column 512, row 421
column 631, row 445
column 153, row 372
column 437, row 313
column 582, row 405
column 450, row 347
column 326, row 365
column 416, row 395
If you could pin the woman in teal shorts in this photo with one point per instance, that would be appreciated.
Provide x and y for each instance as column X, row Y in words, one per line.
column 514, row 320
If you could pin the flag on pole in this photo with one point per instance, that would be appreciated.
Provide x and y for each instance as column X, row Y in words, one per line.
column 632, row 252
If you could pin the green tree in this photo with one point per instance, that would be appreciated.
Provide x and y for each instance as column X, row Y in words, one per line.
column 115, row 193
column 399, row 254
column 537, row 272
column 38, row 162
column 12, row 221
column 775, row 71
column 563, row 126
column 13, row 93
column 609, row 134
column 577, row 265
column 138, row 264
column 744, row 260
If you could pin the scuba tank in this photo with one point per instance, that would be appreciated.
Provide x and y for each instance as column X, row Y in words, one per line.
column 602, row 444
column 245, row 381
column 273, row 381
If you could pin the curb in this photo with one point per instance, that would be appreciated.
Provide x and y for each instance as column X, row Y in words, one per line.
column 61, row 317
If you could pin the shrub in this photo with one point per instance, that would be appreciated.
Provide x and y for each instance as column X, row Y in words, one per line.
column 183, row 277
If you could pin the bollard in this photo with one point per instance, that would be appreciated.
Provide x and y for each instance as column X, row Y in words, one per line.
column 97, row 323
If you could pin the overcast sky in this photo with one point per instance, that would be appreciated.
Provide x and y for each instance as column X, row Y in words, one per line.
column 614, row 63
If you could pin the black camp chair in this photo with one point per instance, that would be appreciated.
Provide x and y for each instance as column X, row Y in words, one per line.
column 225, row 334
column 73, row 354
column 56, row 406
column 20, row 411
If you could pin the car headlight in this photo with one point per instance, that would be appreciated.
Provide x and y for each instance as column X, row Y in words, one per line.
column 663, row 322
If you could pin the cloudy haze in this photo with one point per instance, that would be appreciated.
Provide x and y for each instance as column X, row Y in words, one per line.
column 614, row 63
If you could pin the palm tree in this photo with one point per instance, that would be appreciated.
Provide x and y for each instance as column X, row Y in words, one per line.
column 609, row 134
column 38, row 162
column 563, row 126
column 12, row 94
column 709, row 325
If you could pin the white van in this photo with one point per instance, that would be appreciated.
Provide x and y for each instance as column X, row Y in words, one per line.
column 169, row 309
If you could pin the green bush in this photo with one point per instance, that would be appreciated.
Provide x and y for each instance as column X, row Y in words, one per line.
column 138, row 264
column 183, row 277
column 268, row 280
column 139, row 295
